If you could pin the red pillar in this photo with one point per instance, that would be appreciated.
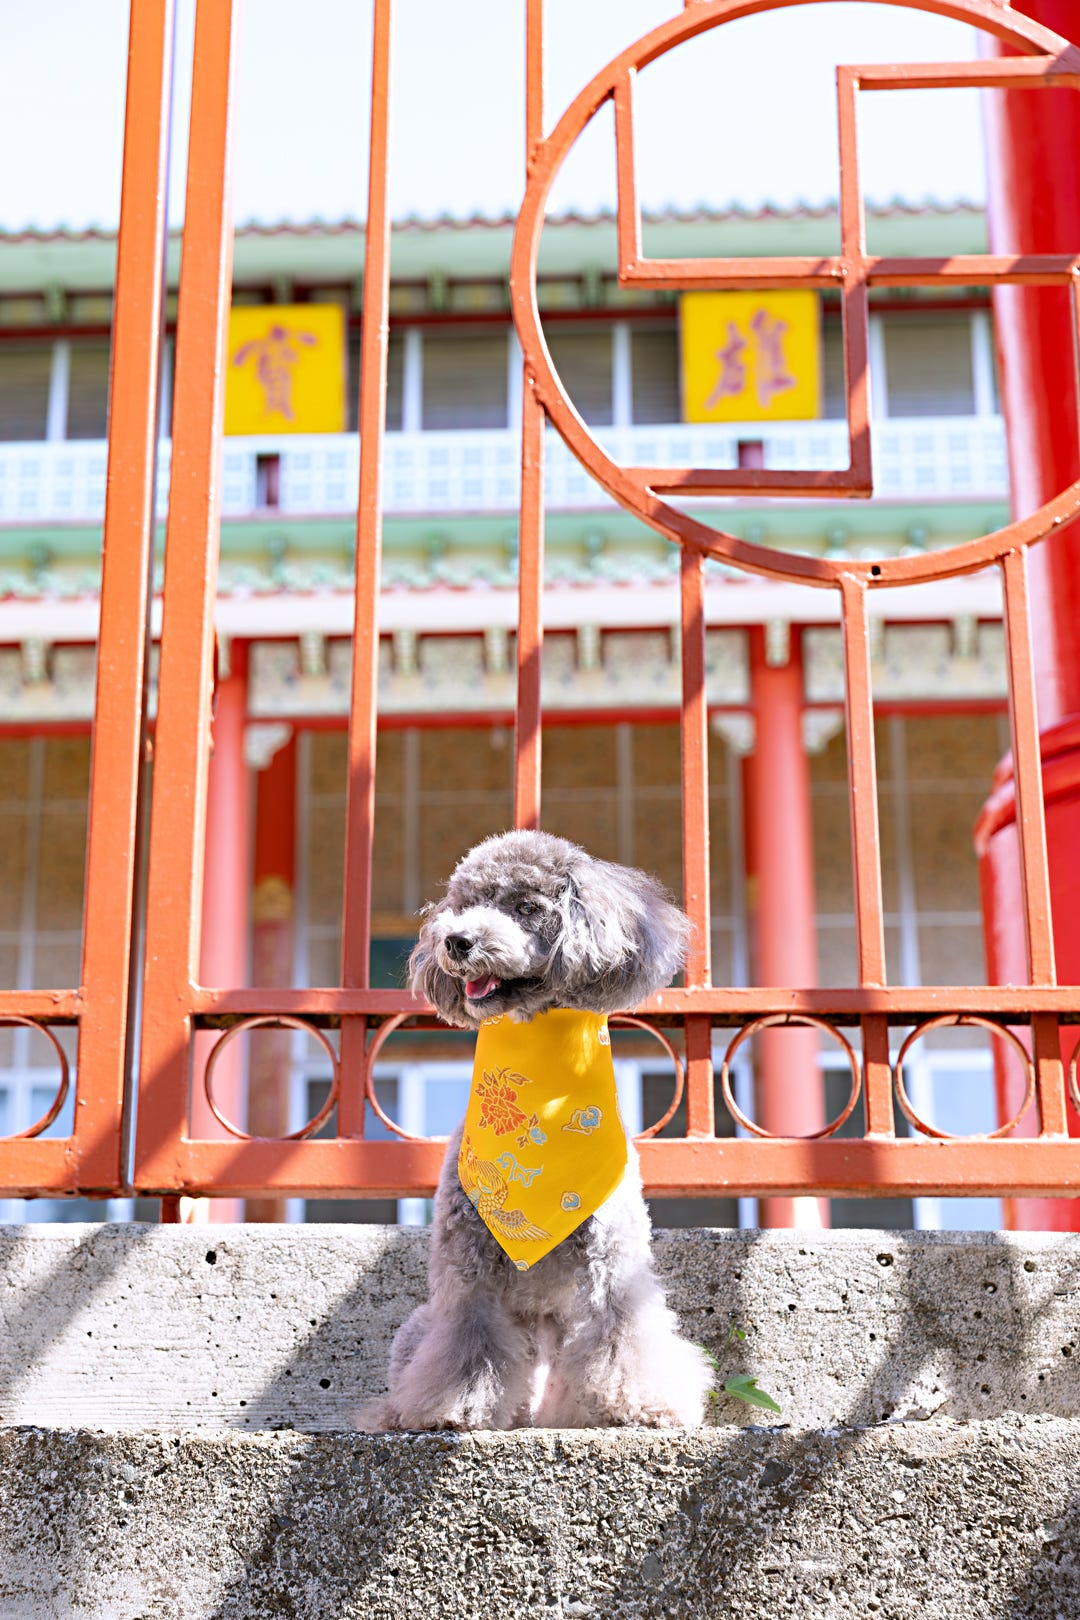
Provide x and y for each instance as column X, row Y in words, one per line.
column 272, row 952
column 789, row 1092
column 223, row 957
column 1033, row 144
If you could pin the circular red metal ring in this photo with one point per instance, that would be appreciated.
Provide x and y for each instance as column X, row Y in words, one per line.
column 790, row 1021
column 635, row 493
column 952, row 1021
column 274, row 1021
column 629, row 1019
column 375, row 1046
column 1074, row 1091
column 59, row 1100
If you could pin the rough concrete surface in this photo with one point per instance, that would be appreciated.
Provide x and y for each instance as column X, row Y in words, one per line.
column 201, row 1328
column 911, row 1521
column 927, row 1463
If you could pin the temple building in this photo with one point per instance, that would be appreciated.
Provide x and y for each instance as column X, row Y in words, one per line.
column 449, row 606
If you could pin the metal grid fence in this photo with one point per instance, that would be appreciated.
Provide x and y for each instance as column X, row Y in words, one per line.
column 352, row 1021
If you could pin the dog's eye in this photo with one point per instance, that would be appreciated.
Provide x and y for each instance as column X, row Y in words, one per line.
column 527, row 908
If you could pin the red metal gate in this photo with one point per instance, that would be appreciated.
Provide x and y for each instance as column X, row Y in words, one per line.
column 91, row 1159
column 168, row 1159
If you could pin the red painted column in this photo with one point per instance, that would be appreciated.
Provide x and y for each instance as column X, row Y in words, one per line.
column 1033, row 146
column 223, row 956
column 272, row 952
column 780, row 895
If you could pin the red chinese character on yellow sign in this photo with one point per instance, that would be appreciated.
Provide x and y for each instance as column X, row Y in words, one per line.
column 750, row 356
column 285, row 369
column 731, row 377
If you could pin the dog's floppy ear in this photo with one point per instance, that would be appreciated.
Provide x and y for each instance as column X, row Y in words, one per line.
column 428, row 979
column 623, row 937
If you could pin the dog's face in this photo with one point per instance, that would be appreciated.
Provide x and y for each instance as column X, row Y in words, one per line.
column 531, row 922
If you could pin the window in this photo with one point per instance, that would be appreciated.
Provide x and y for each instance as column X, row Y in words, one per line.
column 654, row 365
column 465, row 379
column 928, row 365
column 833, row 393
column 25, row 372
column 88, row 391
column 581, row 356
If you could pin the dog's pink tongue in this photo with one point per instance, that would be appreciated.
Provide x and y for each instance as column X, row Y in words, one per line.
column 477, row 989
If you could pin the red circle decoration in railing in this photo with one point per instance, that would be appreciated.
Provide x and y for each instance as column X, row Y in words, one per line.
column 12, row 1019
column 1074, row 1090
column 790, row 1021
column 274, row 1021
column 629, row 1020
column 374, row 1047
column 1044, row 59
column 952, row 1021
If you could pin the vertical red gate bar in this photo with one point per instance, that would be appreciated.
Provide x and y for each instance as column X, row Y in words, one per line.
column 363, row 717
column 92, row 1158
column 866, row 853
column 272, row 951
column 127, row 564
column 185, row 680
column 530, row 630
column 695, row 835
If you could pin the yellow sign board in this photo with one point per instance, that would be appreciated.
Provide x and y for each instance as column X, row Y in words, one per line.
column 285, row 369
column 750, row 356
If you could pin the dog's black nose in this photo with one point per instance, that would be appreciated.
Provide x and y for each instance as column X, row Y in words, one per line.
column 458, row 946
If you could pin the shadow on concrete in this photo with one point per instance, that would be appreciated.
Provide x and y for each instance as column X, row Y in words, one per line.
column 759, row 1485
column 764, row 1501
column 32, row 1319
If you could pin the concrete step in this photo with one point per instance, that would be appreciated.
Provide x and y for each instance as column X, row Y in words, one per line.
column 926, row 1463
column 267, row 1327
column 904, row 1521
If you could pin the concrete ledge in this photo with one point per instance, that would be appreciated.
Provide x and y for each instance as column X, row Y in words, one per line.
column 188, row 1328
column 917, row 1521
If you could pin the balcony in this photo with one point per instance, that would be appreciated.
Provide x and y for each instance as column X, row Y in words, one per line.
column 924, row 458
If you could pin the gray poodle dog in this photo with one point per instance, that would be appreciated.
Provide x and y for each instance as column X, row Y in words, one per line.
column 583, row 1337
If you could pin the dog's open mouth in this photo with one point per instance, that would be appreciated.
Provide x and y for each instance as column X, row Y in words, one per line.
column 488, row 987
column 480, row 989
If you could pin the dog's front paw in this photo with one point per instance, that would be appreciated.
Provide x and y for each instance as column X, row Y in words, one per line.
column 480, row 1406
column 378, row 1416
column 689, row 1414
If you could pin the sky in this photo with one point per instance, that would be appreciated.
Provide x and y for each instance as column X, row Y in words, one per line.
column 744, row 115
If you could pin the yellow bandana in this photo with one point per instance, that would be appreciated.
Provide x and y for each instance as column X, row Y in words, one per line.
column 544, row 1144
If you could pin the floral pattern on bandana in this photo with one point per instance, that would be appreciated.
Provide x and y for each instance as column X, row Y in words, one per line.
column 499, row 1111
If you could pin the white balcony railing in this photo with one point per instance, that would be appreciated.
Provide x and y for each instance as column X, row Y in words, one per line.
column 929, row 458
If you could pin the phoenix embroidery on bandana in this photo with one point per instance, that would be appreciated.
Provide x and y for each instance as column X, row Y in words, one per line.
column 547, row 1087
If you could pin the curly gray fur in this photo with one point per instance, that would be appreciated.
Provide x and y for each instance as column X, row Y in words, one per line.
column 583, row 1338
column 599, row 937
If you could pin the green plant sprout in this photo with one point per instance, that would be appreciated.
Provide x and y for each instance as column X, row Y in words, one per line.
column 743, row 1386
